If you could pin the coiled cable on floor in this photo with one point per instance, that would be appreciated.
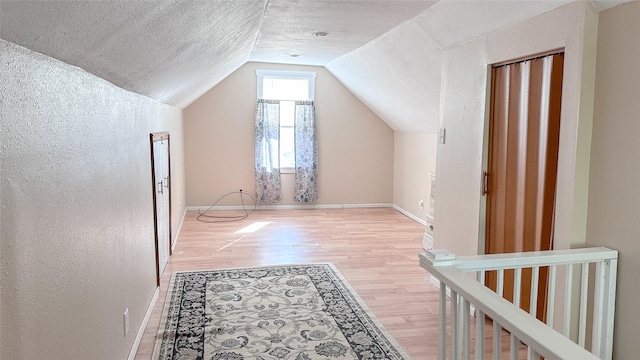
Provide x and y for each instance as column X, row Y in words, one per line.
column 204, row 217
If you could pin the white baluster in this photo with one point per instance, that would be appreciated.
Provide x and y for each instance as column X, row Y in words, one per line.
column 567, row 301
column 584, row 289
column 497, row 340
column 466, row 328
column 480, row 339
column 551, row 297
column 598, row 299
column 442, row 329
column 533, row 297
column 456, row 340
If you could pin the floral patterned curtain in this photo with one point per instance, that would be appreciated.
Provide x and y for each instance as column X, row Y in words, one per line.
column 267, row 151
column 306, row 152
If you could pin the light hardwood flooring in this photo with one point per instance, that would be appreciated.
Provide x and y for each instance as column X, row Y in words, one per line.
column 375, row 249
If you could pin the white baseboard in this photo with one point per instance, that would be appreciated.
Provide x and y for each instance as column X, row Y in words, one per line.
column 294, row 207
column 427, row 241
column 175, row 240
column 145, row 321
column 370, row 205
column 410, row 215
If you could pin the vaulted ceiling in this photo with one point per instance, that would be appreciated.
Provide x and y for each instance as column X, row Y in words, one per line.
column 388, row 53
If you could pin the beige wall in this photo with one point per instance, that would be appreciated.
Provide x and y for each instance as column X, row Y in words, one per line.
column 614, row 194
column 463, row 113
column 414, row 158
column 77, row 216
column 355, row 146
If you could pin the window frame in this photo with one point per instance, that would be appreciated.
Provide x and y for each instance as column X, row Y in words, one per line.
column 310, row 76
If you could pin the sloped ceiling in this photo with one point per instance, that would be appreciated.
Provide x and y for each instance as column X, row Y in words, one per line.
column 398, row 74
column 388, row 53
column 174, row 51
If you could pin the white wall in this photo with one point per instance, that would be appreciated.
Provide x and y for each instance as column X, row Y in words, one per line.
column 396, row 79
column 355, row 147
column 414, row 157
column 463, row 114
column 614, row 193
column 77, row 216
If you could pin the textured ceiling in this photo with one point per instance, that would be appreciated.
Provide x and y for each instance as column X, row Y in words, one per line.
column 174, row 51
column 388, row 53
column 288, row 28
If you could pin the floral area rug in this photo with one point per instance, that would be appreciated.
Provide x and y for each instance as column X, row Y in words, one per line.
column 296, row 312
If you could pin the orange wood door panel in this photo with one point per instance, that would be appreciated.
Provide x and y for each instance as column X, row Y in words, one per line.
column 524, row 134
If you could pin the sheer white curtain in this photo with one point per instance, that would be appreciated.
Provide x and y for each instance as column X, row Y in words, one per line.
column 306, row 149
column 267, row 162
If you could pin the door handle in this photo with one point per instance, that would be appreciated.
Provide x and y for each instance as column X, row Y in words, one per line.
column 485, row 183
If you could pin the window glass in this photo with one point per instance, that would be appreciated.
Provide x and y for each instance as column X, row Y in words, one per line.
column 286, row 86
column 287, row 141
column 287, row 112
column 285, row 89
column 287, row 144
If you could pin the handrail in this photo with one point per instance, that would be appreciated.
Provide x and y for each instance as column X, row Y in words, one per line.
column 524, row 259
column 544, row 340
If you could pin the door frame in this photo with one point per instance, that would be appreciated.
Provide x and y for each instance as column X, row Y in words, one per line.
column 482, row 225
column 153, row 137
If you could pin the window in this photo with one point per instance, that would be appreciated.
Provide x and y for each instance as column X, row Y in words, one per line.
column 287, row 87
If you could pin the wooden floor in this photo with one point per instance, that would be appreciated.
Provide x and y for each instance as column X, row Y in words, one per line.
column 375, row 249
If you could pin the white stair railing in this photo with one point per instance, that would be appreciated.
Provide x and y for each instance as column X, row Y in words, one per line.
column 528, row 337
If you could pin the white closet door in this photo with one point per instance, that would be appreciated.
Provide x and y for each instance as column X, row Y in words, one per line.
column 161, row 172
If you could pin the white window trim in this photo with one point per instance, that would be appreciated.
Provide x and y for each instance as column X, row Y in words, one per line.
column 285, row 74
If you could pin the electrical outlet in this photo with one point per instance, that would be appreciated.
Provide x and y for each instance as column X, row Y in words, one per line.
column 126, row 321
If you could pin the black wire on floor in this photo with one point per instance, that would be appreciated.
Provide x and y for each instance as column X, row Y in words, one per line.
column 204, row 217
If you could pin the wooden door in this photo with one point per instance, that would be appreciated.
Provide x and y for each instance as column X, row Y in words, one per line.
column 520, row 181
column 161, row 199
